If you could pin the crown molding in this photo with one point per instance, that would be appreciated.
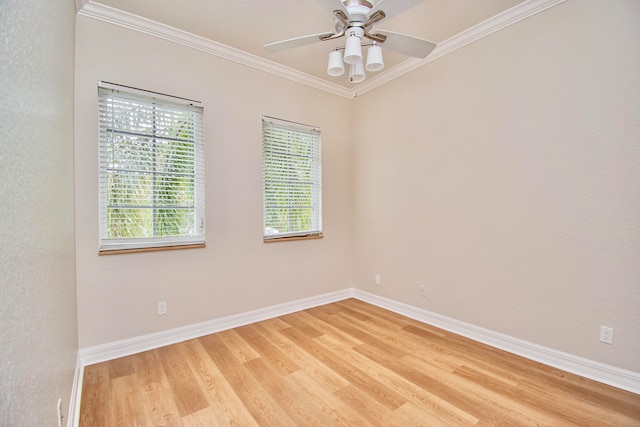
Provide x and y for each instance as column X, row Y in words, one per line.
column 502, row 20
column 130, row 21
column 80, row 4
column 524, row 10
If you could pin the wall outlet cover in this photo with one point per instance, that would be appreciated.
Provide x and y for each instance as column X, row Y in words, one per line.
column 606, row 334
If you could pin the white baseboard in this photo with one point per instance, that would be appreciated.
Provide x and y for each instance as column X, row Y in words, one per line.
column 114, row 350
column 73, row 416
column 616, row 377
column 620, row 378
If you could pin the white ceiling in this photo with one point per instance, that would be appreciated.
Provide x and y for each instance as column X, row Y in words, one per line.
column 247, row 25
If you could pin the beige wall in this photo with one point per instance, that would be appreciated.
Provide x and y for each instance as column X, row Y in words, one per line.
column 506, row 177
column 503, row 176
column 38, row 342
column 236, row 272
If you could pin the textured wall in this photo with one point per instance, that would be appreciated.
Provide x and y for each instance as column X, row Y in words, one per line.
column 505, row 177
column 38, row 341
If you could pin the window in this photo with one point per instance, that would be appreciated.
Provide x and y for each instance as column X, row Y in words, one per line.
column 151, row 170
column 292, row 199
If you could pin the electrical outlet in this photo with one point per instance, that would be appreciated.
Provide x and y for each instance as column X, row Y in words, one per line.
column 162, row 308
column 606, row 334
column 59, row 406
column 423, row 290
column 377, row 278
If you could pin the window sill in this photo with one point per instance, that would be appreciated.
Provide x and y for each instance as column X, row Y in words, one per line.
column 154, row 249
column 289, row 238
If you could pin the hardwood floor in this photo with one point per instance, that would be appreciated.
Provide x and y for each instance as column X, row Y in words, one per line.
column 343, row 364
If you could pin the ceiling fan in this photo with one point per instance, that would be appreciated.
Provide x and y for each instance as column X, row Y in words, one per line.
column 354, row 20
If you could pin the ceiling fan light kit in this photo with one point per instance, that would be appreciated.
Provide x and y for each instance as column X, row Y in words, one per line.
column 336, row 65
column 353, row 46
column 356, row 73
column 374, row 58
column 353, row 20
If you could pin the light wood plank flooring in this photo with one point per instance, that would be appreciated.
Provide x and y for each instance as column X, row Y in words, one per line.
column 343, row 364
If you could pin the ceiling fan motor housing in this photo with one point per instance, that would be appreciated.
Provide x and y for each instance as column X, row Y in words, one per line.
column 358, row 9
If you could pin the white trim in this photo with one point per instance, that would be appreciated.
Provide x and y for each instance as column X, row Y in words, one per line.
column 80, row 4
column 73, row 416
column 496, row 23
column 98, row 11
column 607, row 374
column 129, row 346
column 137, row 23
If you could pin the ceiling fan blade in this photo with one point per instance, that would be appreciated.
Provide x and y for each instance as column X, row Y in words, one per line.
column 408, row 45
column 393, row 7
column 332, row 5
column 295, row 42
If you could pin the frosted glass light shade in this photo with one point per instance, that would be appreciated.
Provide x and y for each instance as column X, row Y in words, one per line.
column 374, row 58
column 336, row 66
column 356, row 73
column 353, row 50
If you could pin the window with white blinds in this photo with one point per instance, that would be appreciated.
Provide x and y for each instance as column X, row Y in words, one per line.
column 151, row 188
column 292, row 198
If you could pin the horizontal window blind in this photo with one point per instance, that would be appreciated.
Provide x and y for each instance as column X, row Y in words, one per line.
column 151, row 151
column 292, row 198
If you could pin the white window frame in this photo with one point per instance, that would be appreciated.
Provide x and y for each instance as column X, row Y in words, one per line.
column 278, row 141
column 168, row 105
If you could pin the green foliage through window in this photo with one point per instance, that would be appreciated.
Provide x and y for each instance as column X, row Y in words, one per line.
column 151, row 168
column 292, row 179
